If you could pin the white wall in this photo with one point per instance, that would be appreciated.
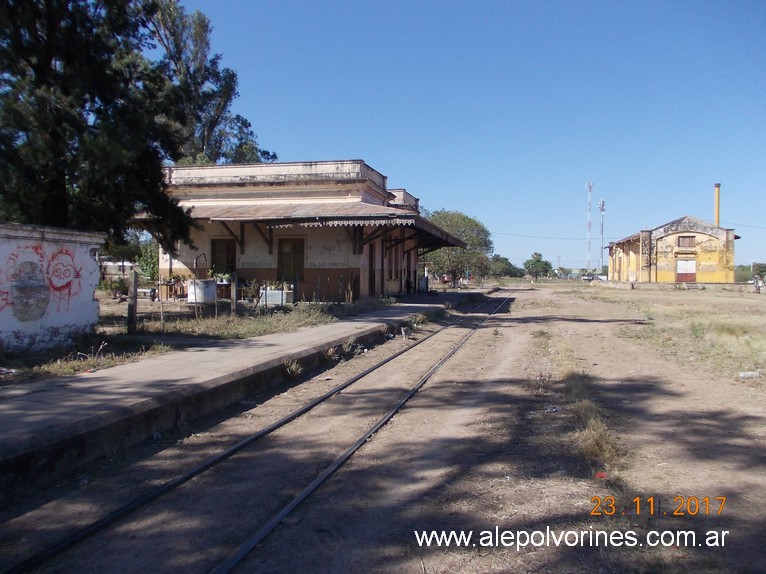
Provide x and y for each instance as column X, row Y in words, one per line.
column 47, row 281
column 327, row 248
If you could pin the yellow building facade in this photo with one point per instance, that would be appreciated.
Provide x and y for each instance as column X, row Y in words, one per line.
column 685, row 250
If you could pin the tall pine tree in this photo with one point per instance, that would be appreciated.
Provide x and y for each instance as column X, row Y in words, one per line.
column 86, row 121
column 211, row 133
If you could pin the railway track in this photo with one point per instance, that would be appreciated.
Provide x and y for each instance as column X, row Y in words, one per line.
column 363, row 395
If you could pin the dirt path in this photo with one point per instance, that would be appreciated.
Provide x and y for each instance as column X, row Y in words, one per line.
column 477, row 450
column 492, row 445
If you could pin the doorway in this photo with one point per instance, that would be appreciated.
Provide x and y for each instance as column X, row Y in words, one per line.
column 686, row 271
column 223, row 255
column 290, row 260
column 371, row 269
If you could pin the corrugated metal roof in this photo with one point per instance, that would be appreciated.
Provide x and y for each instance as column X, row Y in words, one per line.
column 633, row 237
column 299, row 212
column 325, row 214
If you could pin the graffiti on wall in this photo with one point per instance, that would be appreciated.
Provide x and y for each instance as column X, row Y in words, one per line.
column 34, row 279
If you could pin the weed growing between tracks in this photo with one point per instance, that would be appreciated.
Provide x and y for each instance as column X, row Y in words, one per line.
column 294, row 369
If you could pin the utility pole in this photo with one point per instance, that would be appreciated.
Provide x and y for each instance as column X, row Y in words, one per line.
column 590, row 194
column 602, row 209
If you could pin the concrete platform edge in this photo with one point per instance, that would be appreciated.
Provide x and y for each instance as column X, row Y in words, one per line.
column 47, row 456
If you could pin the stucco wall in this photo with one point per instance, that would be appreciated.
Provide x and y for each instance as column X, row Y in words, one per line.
column 712, row 255
column 326, row 248
column 705, row 255
column 329, row 260
column 47, row 283
column 624, row 262
column 657, row 255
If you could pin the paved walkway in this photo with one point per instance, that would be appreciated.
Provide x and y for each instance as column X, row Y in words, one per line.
column 50, row 427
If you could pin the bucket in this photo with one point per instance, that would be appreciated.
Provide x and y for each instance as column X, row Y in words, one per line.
column 201, row 291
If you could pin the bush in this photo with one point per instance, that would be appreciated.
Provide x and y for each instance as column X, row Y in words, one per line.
column 113, row 285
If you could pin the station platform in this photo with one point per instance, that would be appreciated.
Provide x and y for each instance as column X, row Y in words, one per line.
column 49, row 428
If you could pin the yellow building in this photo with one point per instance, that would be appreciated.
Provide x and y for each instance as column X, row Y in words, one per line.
column 685, row 250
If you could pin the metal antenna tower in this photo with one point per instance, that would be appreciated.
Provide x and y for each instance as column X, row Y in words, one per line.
column 590, row 194
column 602, row 209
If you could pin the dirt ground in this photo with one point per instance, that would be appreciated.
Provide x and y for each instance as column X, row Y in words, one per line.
column 490, row 446
column 482, row 449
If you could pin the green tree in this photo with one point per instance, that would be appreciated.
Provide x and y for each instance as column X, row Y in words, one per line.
column 148, row 261
column 212, row 134
column 744, row 273
column 456, row 261
column 501, row 267
column 86, row 121
column 127, row 250
column 537, row 266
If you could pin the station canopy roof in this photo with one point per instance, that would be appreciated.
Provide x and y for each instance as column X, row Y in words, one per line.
column 326, row 214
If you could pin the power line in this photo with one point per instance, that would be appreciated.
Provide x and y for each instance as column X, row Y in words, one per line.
column 743, row 225
column 549, row 237
column 613, row 238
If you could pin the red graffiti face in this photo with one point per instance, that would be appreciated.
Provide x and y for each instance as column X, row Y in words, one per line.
column 63, row 275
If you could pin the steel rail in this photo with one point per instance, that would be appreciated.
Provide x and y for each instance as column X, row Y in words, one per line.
column 246, row 547
column 121, row 512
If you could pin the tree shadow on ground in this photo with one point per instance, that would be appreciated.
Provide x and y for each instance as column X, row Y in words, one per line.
column 506, row 474
column 519, row 456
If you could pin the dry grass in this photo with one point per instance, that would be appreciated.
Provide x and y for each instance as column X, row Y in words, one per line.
column 253, row 323
column 591, row 437
column 293, row 368
column 433, row 316
column 585, row 410
column 567, row 438
column 85, row 356
column 723, row 330
column 331, row 355
column 110, row 345
column 578, row 385
column 598, row 443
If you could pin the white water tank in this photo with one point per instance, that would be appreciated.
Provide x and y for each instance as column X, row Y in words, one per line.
column 201, row 291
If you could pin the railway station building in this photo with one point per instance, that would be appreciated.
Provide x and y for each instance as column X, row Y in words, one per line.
column 685, row 250
column 331, row 230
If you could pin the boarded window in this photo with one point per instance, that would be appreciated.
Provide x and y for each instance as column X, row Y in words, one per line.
column 223, row 255
column 290, row 260
column 687, row 241
column 686, row 270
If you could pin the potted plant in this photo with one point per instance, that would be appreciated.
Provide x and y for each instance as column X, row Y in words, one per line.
column 250, row 290
column 220, row 278
column 276, row 293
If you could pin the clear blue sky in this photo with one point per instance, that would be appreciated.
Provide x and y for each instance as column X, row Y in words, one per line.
column 505, row 110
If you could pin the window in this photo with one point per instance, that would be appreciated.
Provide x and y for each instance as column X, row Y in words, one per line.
column 687, row 241
column 223, row 255
column 290, row 260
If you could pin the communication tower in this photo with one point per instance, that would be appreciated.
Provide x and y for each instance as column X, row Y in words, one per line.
column 602, row 209
column 589, row 186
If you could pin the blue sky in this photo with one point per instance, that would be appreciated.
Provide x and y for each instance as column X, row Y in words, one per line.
column 505, row 110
